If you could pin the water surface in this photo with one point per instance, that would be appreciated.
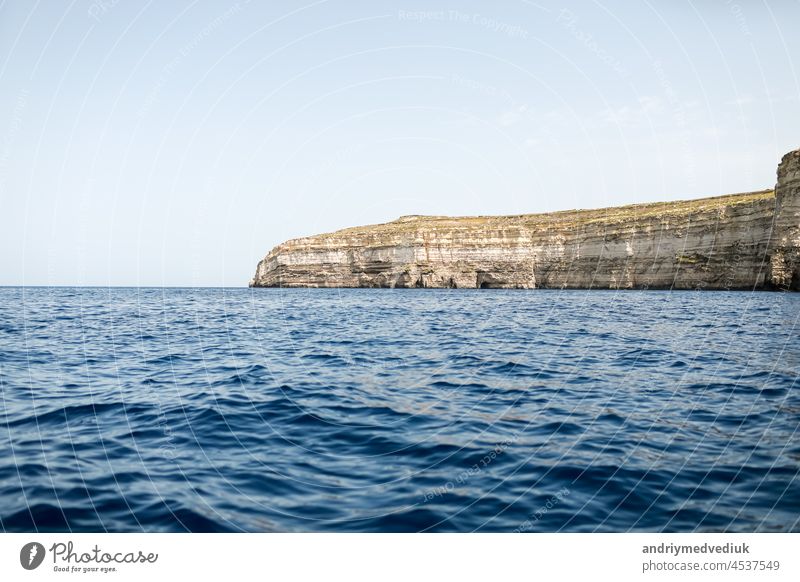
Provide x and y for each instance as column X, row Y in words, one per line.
column 398, row 410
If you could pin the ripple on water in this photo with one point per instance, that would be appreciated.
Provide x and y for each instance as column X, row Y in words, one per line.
column 380, row 410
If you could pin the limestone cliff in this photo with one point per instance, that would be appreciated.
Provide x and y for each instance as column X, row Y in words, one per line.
column 785, row 247
column 740, row 241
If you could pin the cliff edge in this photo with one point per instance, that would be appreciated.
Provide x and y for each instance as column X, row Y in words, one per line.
column 785, row 248
column 740, row 241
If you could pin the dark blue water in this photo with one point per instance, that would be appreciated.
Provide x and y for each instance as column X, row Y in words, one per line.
column 406, row 410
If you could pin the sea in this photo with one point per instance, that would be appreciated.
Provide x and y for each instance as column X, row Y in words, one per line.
column 407, row 410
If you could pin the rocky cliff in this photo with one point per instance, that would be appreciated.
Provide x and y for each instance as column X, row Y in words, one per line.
column 785, row 248
column 740, row 241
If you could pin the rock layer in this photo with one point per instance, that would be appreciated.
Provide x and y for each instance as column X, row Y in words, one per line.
column 785, row 247
column 740, row 241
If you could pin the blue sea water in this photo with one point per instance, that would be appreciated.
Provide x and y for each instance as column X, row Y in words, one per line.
column 398, row 410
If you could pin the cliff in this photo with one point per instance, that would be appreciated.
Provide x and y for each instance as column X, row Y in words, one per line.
column 785, row 248
column 740, row 241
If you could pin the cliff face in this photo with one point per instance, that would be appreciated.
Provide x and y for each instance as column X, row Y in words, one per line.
column 742, row 241
column 785, row 248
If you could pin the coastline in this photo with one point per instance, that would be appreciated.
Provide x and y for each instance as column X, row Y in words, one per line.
column 741, row 241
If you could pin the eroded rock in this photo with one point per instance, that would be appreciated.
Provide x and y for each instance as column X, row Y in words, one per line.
column 740, row 241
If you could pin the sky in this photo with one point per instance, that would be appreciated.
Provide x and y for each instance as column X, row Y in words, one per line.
column 175, row 143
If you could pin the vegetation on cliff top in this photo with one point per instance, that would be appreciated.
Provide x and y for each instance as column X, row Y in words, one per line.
column 565, row 219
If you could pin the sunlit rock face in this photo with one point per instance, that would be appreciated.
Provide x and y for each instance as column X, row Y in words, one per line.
column 785, row 248
column 740, row 241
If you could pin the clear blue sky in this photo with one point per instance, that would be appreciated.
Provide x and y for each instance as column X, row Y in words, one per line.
column 174, row 143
